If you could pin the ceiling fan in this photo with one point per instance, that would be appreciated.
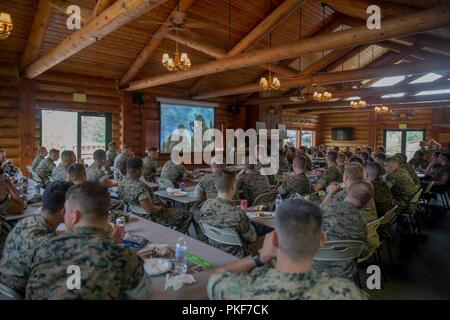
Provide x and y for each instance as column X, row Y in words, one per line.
column 178, row 21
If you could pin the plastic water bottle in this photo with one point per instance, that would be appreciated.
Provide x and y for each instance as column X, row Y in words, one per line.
column 278, row 202
column 180, row 256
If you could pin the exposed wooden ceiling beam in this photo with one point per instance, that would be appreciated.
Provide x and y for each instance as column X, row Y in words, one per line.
column 277, row 16
column 370, row 102
column 101, row 6
column 431, row 43
column 152, row 44
column 410, row 24
column 341, row 76
column 37, row 34
column 363, row 92
column 219, row 53
column 119, row 14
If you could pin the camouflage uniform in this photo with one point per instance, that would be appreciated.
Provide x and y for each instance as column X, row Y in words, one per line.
column 108, row 270
column 4, row 230
column 20, row 247
column 440, row 172
column 284, row 165
column 110, row 157
column 174, row 172
column 206, row 186
column 331, row 174
column 308, row 163
column 222, row 214
column 382, row 196
column 272, row 178
column 252, row 185
column 342, row 220
column 411, row 172
column 36, row 162
column 120, row 162
column 45, row 169
column 402, row 188
column 59, row 173
column 418, row 164
column 134, row 191
column 341, row 169
column 266, row 283
column 298, row 183
column 150, row 168
column 94, row 173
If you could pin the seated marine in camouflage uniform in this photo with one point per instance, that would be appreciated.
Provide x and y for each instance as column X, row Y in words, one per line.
column 7, row 164
column 76, row 174
column 345, row 220
column 59, row 173
column 120, row 161
column 402, row 186
column 251, row 184
column 418, row 162
column 111, row 154
column 302, row 151
column 11, row 203
column 221, row 212
column 96, row 172
column 28, row 234
column 174, row 172
column 298, row 182
column 41, row 154
column 46, row 166
column 135, row 192
column 382, row 193
column 107, row 270
column 293, row 244
column 407, row 167
column 151, row 165
column 330, row 174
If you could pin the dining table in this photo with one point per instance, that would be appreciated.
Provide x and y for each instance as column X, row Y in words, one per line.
column 184, row 199
column 158, row 234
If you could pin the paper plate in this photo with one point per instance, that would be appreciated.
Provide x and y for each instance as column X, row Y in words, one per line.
column 155, row 267
column 178, row 193
column 262, row 214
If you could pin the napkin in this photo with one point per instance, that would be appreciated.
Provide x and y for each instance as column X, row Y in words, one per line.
column 176, row 282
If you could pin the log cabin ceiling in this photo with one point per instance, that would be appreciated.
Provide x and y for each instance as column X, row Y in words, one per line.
column 112, row 56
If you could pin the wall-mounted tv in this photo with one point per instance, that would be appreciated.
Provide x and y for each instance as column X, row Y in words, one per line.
column 342, row 134
column 176, row 115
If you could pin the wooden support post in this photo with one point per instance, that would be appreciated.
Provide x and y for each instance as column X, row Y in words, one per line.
column 27, row 123
column 126, row 106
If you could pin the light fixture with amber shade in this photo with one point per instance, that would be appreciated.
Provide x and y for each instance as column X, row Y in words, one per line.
column 381, row 109
column 6, row 25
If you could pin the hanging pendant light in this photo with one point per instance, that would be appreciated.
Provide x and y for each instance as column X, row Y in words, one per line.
column 381, row 109
column 6, row 25
column 271, row 82
column 180, row 62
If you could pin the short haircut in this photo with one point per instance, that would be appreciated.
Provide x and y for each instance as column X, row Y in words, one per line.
column 53, row 152
column 42, row 149
column 354, row 172
column 393, row 160
column 332, row 155
column 292, row 149
column 381, row 148
column 362, row 192
column 126, row 147
column 99, row 154
column 224, row 180
column 76, row 171
column 152, row 149
column 54, row 196
column 134, row 164
column 355, row 159
column 400, row 156
column 112, row 144
column 303, row 148
column 341, row 156
column 419, row 153
column 91, row 197
column 373, row 169
column 2, row 151
column 67, row 155
column 369, row 150
column 300, row 162
column 381, row 156
column 298, row 226
column 436, row 153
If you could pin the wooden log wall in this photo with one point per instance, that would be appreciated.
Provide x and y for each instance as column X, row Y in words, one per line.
column 294, row 120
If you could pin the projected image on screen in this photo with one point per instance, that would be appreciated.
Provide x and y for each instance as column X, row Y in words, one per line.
column 182, row 117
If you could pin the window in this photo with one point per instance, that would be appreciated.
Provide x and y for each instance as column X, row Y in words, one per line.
column 403, row 141
column 292, row 136
column 307, row 138
column 83, row 133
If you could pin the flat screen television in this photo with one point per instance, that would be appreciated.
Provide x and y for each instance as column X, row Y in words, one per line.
column 342, row 134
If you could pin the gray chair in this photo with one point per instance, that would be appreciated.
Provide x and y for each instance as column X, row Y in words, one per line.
column 138, row 210
column 224, row 236
column 340, row 250
column 266, row 198
column 164, row 183
column 6, row 293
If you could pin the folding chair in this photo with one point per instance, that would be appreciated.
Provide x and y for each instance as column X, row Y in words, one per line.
column 385, row 223
column 266, row 198
column 224, row 236
column 164, row 183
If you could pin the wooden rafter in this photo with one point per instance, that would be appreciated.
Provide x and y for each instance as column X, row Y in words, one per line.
column 101, row 6
column 117, row 15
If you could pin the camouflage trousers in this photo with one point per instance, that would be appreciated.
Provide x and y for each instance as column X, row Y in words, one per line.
column 4, row 231
column 373, row 242
column 174, row 218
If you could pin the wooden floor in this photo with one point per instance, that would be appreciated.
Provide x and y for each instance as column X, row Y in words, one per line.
column 422, row 264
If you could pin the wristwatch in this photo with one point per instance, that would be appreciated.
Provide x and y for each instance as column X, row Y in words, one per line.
column 257, row 259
